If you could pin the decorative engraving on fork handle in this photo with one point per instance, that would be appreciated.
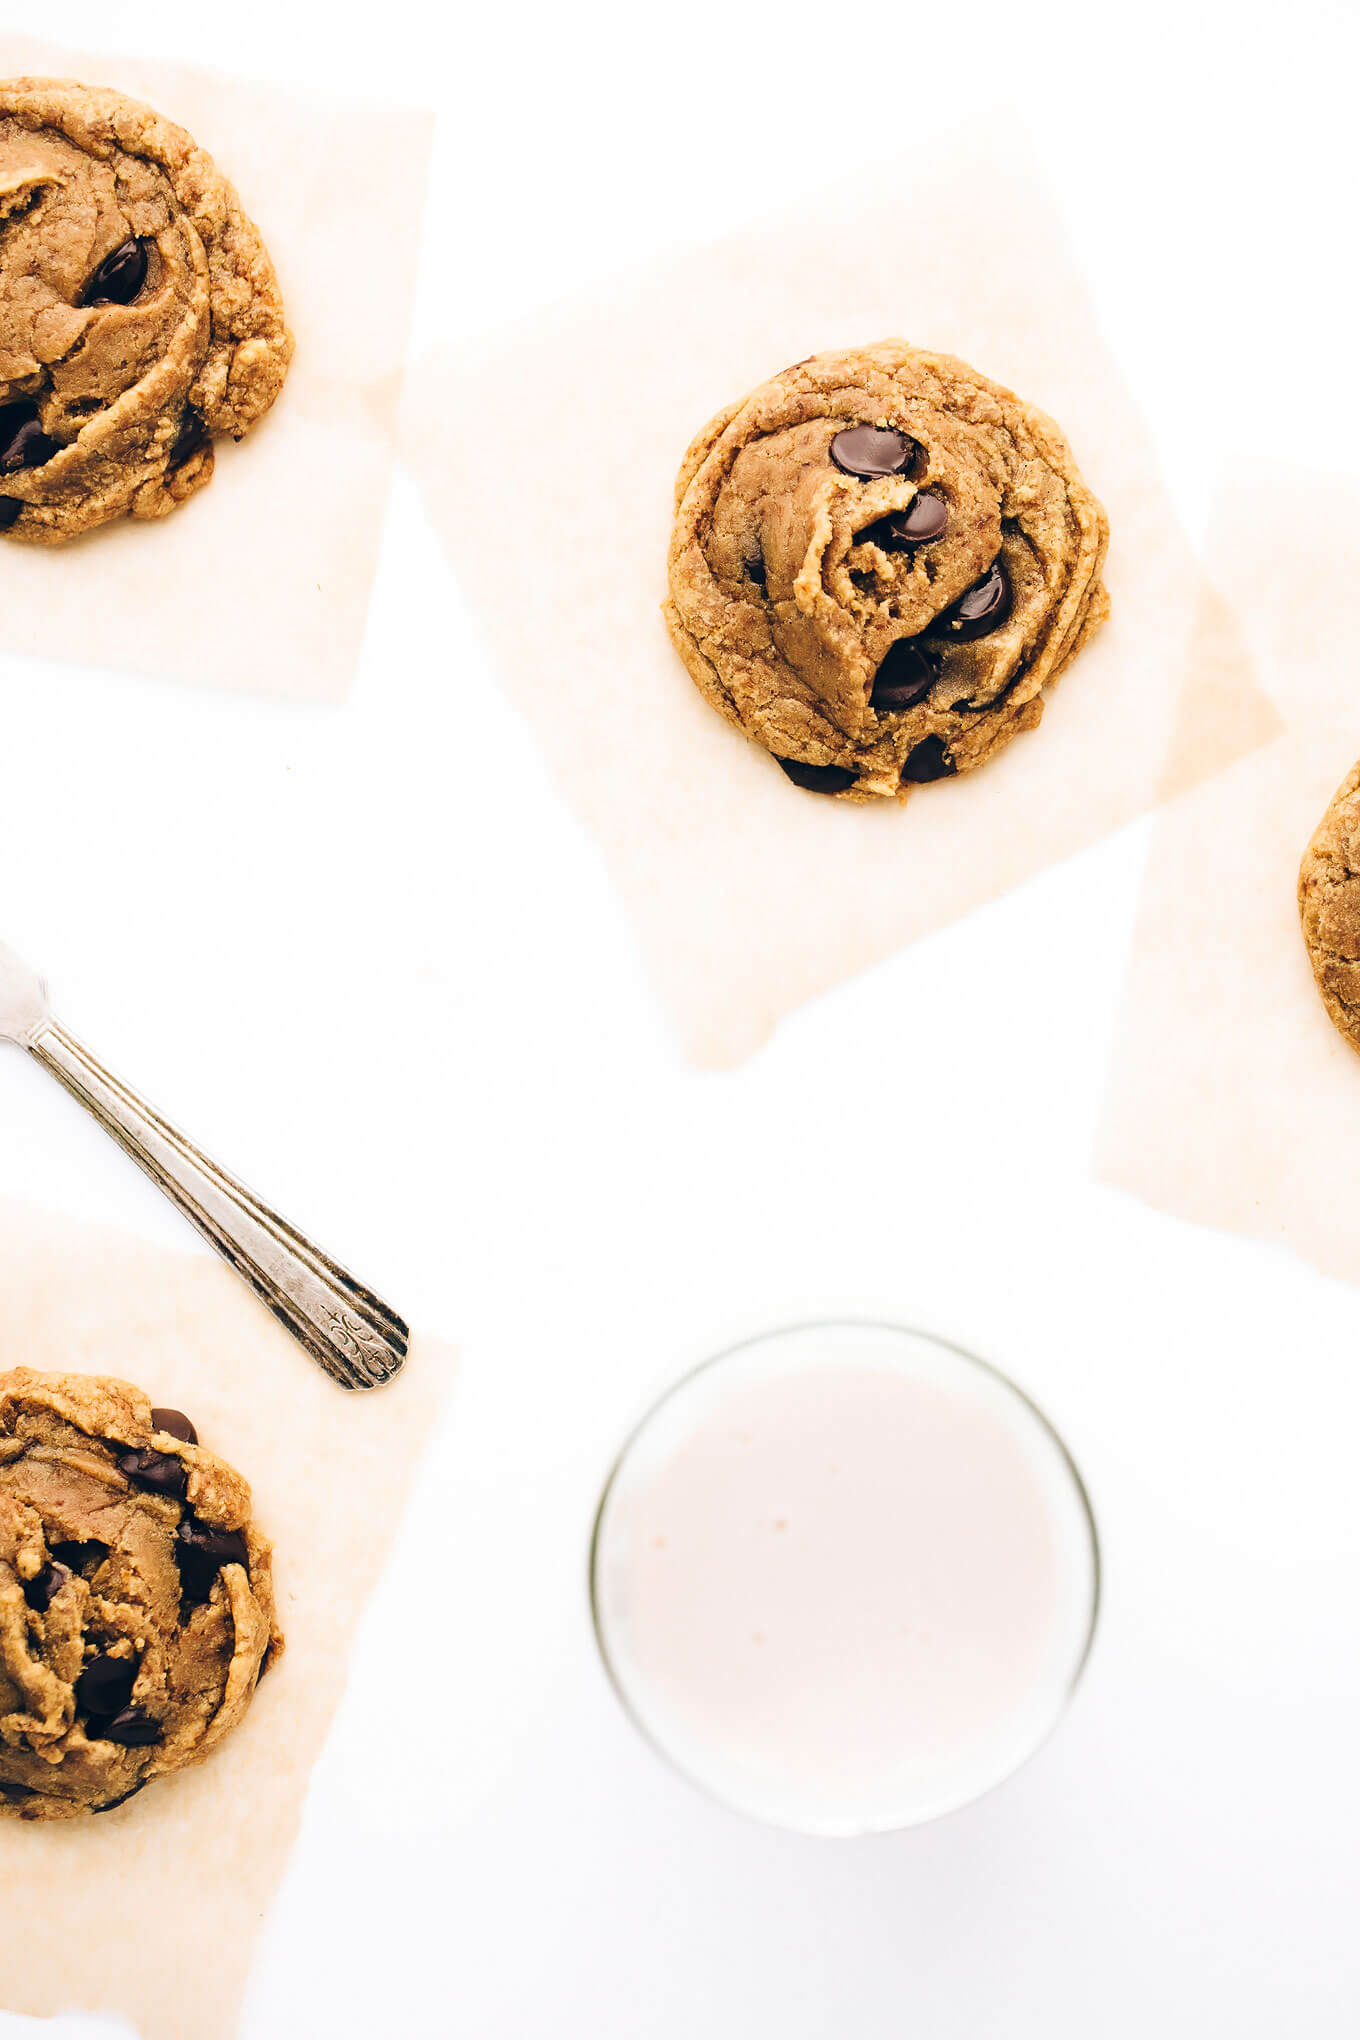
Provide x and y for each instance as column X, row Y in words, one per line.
column 347, row 1330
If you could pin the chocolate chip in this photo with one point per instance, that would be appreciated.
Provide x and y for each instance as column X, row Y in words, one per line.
column 201, row 1551
column 929, row 760
column 872, row 450
column 817, row 778
column 43, row 1588
column 924, row 518
column 227, row 1547
column 176, row 1423
column 131, row 1726
column 123, row 1797
column 105, row 1686
column 193, row 434
column 23, row 443
column 755, row 568
column 29, row 448
column 979, row 609
column 908, row 673
column 10, row 506
column 119, row 277
column 81, row 1558
column 159, row 1472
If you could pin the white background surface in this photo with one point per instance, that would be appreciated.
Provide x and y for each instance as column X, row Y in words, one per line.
column 407, row 1006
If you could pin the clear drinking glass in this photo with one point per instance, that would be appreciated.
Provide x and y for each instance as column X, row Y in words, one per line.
column 845, row 1577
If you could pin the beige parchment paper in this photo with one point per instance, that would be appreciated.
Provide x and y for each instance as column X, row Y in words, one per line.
column 261, row 581
column 1232, row 1100
column 547, row 458
column 169, row 1891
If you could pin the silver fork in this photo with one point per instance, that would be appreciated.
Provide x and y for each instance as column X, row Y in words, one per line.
column 347, row 1329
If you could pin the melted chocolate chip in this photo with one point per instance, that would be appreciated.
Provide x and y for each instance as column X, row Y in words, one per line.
column 193, row 434
column 176, row 1424
column 908, row 673
column 122, row 1798
column 133, row 1727
column 924, row 518
column 872, row 450
column 23, row 443
column 43, row 1588
column 980, row 609
column 755, row 568
column 29, row 448
column 119, row 277
column 226, row 1547
column 105, row 1686
column 201, row 1551
column 929, row 760
column 817, row 778
column 159, row 1472
column 10, row 506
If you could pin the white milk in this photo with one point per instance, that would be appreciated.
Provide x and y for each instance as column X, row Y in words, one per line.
column 845, row 1578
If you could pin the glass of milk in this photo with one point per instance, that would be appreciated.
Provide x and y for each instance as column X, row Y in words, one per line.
column 845, row 1577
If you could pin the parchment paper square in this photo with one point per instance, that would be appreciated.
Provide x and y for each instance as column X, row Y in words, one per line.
column 547, row 458
column 169, row 1891
column 1233, row 1100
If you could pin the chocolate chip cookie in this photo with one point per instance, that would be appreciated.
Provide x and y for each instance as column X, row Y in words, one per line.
column 136, row 1598
column 1329, row 906
column 880, row 561
column 139, row 312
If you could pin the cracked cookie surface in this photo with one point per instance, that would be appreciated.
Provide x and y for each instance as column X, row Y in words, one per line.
column 139, row 312
column 880, row 561
column 1329, row 907
column 136, row 1595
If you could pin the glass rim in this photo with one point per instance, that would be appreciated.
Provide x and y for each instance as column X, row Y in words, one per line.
column 743, row 1345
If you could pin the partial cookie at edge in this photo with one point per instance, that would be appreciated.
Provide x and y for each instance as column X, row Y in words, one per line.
column 139, row 312
column 1329, row 907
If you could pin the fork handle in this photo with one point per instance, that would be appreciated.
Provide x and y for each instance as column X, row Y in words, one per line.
column 347, row 1329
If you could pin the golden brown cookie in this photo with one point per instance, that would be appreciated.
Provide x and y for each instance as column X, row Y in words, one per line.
column 880, row 561
column 139, row 312
column 1329, row 906
column 136, row 1596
